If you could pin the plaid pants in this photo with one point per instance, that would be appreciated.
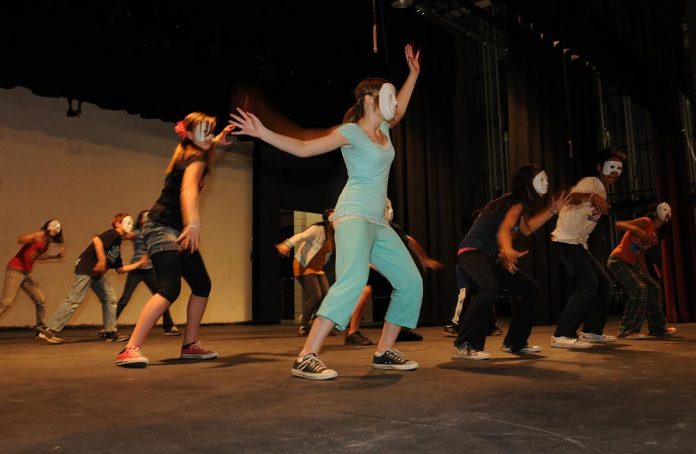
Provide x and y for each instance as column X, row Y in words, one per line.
column 644, row 298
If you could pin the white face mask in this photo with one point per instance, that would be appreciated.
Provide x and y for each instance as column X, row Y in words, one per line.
column 202, row 133
column 611, row 167
column 541, row 183
column 54, row 225
column 664, row 211
column 127, row 224
column 387, row 101
column 389, row 211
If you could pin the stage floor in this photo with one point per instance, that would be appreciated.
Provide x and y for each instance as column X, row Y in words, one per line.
column 636, row 396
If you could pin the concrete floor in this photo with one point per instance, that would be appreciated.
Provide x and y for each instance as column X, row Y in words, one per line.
column 637, row 396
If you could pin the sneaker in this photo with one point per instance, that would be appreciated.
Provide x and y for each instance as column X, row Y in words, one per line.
column 393, row 359
column 114, row 336
column 49, row 336
column 173, row 331
column 101, row 334
column 568, row 342
column 357, row 339
column 408, row 335
column 596, row 338
column 451, row 330
column 526, row 349
column 631, row 335
column 467, row 352
column 131, row 357
column 313, row 368
column 303, row 331
column 195, row 350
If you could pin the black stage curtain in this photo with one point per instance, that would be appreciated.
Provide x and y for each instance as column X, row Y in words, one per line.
column 556, row 133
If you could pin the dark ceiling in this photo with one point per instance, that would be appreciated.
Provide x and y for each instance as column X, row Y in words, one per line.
column 163, row 59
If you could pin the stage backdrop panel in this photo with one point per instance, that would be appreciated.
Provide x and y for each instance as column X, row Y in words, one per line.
column 84, row 170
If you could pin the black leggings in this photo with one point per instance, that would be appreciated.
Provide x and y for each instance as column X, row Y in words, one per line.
column 135, row 277
column 171, row 266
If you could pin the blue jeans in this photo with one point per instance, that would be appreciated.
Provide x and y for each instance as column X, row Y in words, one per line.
column 15, row 279
column 78, row 292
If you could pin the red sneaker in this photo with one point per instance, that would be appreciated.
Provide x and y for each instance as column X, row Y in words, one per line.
column 131, row 357
column 195, row 350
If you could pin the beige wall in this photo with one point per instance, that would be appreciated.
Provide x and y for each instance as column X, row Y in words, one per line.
column 84, row 170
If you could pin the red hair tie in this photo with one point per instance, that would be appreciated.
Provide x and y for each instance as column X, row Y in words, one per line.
column 180, row 130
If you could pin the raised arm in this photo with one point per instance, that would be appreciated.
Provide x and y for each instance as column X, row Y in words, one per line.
column 404, row 95
column 248, row 124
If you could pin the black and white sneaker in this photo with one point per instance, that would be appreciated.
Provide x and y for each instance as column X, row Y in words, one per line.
column 313, row 368
column 393, row 359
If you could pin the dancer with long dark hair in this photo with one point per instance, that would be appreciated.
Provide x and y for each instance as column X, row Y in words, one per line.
column 488, row 259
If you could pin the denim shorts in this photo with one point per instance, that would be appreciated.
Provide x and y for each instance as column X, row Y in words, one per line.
column 159, row 238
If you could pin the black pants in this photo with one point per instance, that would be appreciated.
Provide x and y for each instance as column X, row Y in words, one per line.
column 172, row 266
column 589, row 302
column 134, row 278
column 488, row 276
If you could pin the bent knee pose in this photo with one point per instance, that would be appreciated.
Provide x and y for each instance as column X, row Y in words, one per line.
column 489, row 239
column 313, row 248
column 362, row 234
column 172, row 236
column 102, row 254
column 145, row 273
column 18, row 272
column 627, row 265
column 589, row 301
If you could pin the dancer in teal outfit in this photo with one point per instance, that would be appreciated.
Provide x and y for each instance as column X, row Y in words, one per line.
column 362, row 235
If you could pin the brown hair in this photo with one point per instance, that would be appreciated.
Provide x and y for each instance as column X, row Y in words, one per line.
column 370, row 87
column 187, row 148
column 118, row 218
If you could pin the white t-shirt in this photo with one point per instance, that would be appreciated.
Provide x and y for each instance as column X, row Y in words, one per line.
column 576, row 222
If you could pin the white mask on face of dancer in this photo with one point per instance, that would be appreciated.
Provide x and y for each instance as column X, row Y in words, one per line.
column 389, row 211
column 611, row 167
column 202, row 133
column 664, row 211
column 541, row 183
column 387, row 101
column 55, row 226
column 127, row 224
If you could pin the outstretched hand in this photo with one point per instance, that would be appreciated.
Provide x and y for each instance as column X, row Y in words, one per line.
column 224, row 137
column 412, row 58
column 283, row 249
column 509, row 258
column 559, row 202
column 246, row 123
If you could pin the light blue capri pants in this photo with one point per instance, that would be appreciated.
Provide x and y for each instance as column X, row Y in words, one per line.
column 359, row 243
